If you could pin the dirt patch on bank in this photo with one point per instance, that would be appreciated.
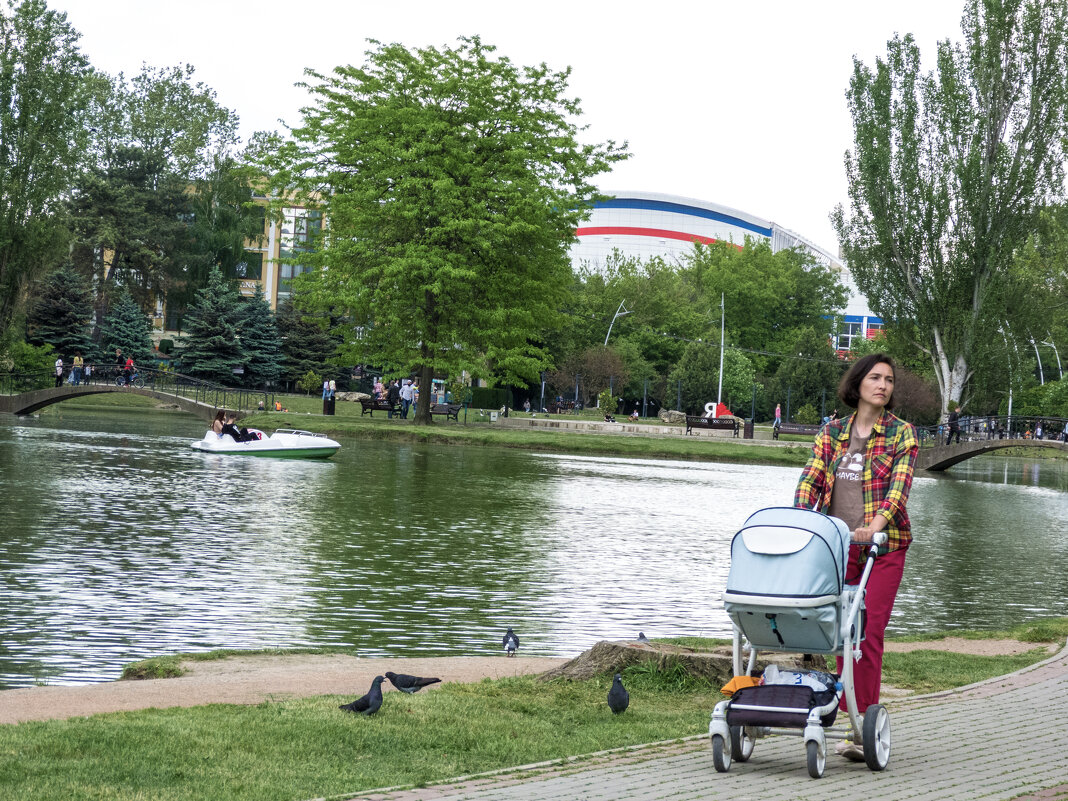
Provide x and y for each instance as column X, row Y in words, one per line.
column 960, row 645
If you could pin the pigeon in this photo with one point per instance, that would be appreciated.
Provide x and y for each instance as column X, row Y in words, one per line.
column 370, row 703
column 618, row 697
column 408, row 684
column 510, row 642
column 642, row 637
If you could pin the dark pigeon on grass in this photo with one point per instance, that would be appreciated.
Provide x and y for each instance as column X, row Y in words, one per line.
column 408, row 684
column 618, row 697
column 642, row 637
column 510, row 642
column 370, row 703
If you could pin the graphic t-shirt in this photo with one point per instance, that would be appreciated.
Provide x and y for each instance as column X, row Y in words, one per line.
column 847, row 497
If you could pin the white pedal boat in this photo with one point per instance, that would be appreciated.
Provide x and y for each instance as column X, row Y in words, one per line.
column 288, row 442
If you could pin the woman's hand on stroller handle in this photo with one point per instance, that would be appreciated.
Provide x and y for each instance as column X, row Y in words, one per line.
column 865, row 535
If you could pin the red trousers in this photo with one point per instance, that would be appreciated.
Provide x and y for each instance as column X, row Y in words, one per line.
column 883, row 582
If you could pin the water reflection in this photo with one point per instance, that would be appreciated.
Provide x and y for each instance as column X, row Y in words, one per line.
column 123, row 543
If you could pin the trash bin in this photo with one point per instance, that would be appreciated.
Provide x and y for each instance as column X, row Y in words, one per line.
column 328, row 405
column 747, row 429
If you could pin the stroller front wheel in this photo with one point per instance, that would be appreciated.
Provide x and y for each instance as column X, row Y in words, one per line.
column 741, row 744
column 817, row 759
column 876, row 737
column 721, row 755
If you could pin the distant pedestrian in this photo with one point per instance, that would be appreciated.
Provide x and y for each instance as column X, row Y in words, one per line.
column 76, row 370
column 954, row 426
column 87, row 376
column 778, row 415
column 59, row 371
column 406, row 397
column 392, row 397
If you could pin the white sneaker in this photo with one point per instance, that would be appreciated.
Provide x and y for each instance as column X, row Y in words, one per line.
column 850, row 750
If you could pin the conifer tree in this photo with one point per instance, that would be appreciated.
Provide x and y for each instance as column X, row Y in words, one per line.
column 260, row 341
column 61, row 315
column 213, row 348
column 307, row 345
column 127, row 327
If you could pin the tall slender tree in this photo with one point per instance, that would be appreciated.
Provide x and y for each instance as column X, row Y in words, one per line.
column 42, row 82
column 949, row 171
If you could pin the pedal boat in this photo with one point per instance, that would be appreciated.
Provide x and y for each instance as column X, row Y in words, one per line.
column 288, row 442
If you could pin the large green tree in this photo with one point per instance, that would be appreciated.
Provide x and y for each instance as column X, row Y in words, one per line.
column 260, row 341
column 42, row 82
column 949, row 171
column 127, row 327
column 212, row 349
column 453, row 181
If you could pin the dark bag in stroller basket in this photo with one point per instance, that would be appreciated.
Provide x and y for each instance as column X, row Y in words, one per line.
column 790, row 705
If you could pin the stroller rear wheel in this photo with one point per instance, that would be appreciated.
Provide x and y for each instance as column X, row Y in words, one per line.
column 741, row 744
column 817, row 758
column 721, row 755
column 876, row 737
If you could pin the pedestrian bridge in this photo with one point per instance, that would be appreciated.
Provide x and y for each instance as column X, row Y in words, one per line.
column 940, row 457
column 23, row 394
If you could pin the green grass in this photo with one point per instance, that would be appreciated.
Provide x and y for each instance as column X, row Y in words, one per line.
column 308, row 748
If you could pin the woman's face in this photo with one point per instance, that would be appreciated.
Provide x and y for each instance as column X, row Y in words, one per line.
column 877, row 386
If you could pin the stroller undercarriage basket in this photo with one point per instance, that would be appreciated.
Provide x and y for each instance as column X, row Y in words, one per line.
column 779, row 705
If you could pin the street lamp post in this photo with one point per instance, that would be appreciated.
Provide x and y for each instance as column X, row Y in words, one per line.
column 619, row 313
column 719, row 392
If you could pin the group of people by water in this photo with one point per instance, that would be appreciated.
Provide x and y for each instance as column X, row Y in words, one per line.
column 399, row 393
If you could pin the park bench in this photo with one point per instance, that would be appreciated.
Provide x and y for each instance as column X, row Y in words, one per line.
column 450, row 410
column 795, row 428
column 711, row 423
column 372, row 406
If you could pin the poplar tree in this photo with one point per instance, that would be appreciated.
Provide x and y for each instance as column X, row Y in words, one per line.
column 452, row 181
column 949, row 172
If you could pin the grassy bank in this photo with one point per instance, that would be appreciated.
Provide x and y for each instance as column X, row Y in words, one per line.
column 298, row 749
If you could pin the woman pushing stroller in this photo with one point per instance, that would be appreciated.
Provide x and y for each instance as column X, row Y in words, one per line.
column 860, row 471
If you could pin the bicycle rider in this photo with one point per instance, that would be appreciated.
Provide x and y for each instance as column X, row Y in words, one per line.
column 128, row 370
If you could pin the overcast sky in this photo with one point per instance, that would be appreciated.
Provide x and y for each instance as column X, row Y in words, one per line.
column 737, row 103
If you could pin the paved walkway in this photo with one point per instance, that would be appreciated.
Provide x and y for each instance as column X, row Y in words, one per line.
column 1006, row 738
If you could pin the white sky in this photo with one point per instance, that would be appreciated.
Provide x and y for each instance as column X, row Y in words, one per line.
column 739, row 103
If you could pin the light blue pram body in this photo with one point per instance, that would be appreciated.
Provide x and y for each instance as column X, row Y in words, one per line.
column 786, row 593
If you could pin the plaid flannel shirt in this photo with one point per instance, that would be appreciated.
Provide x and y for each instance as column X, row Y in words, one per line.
column 888, row 467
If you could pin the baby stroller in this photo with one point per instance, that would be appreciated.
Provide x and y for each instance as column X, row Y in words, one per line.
column 785, row 593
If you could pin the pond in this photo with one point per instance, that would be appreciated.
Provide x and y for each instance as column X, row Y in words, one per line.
column 120, row 542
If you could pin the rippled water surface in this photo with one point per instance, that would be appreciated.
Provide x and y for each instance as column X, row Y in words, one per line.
column 119, row 542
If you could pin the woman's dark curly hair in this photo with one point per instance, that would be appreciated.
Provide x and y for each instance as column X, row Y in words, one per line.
column 849, row 388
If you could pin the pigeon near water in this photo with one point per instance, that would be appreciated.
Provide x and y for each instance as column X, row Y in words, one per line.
column 408, row 684
column 370, row 703
column 618, row 697
column 642, row 637
column 510, row 642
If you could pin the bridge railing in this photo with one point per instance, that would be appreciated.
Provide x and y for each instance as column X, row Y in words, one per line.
column 989, row 427
column 164, row 381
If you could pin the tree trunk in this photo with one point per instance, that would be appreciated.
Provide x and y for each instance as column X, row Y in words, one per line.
column 426, row 385
column 951, row 378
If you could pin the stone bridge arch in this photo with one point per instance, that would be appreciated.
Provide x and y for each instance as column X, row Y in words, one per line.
column 941, row 457
column 29, row 402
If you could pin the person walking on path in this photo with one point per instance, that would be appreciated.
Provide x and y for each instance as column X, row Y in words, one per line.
column 59, row 371
column 954, row 426
column 778, row 416
column 76, row 370
column 860, row 471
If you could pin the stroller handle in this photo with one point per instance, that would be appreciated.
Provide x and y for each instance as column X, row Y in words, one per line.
column 878, row 538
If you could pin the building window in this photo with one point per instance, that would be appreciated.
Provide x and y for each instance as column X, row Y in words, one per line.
column 251, row 267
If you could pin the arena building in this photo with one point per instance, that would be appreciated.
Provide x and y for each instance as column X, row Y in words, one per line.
column 648, row 224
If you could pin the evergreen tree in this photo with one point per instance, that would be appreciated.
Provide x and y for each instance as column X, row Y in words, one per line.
column 213, row 348
column 260, row 341
column 306, row 343
column 127, row 327
column 61, row 315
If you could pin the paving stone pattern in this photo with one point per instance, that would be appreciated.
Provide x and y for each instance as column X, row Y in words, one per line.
column 1006, row 738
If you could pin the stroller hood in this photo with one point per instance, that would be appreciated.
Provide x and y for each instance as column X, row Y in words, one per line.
column 789, row 552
